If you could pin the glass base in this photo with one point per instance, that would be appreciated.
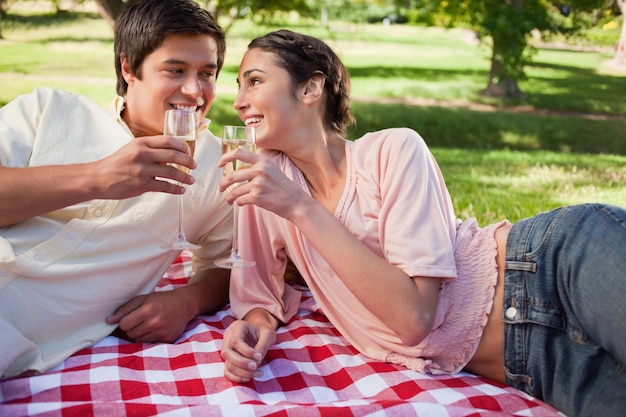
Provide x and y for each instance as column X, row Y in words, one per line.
column 181, row 245
column 230, row 263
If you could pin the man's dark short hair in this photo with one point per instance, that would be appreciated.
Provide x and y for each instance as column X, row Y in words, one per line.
column 142, row 26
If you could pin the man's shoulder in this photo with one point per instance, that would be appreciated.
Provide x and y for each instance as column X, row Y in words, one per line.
column 43, row 97
column 54, row 93
column 207, row 136
column 53, row 103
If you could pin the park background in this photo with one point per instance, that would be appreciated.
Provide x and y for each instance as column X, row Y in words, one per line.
column 563, row 143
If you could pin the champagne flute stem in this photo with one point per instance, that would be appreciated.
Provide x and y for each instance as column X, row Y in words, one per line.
column 234, row 252
column 181, row 232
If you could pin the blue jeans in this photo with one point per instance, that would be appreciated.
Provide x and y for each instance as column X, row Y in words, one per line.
column 565, row 309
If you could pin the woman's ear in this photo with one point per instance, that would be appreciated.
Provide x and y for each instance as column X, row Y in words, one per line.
column 313, row 88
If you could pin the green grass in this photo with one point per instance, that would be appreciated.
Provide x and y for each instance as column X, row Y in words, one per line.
column 492, row 185
column 497, row 164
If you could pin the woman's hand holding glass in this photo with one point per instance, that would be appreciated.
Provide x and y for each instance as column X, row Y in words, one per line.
column 233, row 139
column 263, row 185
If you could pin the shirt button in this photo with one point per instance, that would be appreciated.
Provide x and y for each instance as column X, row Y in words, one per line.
column 511, row 312
column 71, row 235
column 98, row 213
column 38, row 257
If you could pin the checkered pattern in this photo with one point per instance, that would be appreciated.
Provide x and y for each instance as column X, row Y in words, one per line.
column 311, row 371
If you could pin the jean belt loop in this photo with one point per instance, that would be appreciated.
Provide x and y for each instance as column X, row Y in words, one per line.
column 521, row 266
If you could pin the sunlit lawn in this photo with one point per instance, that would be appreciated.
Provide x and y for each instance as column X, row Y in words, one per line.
column 497, row 164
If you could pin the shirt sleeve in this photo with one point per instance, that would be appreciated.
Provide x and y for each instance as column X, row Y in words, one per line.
column 262, row 286
column 417, row 225
column 18, row 124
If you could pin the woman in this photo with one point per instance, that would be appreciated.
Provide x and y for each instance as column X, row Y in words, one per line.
column 369, row 224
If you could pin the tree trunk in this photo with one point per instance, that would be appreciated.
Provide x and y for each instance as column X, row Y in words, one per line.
column 508, row 28
column 501, row 85
column 111, row 9
column 620, row 50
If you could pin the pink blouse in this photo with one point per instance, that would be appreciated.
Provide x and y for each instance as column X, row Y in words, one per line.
column 396, row 202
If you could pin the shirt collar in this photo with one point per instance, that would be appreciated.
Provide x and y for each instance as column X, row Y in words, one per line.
column 117, row 107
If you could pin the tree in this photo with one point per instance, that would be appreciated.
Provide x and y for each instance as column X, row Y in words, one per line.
column 4, row 5
column 508, row 24
column 620, row 50
column 111, row 9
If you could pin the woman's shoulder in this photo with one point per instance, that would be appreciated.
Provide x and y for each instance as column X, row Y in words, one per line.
column 391, row 140
column 392, row 135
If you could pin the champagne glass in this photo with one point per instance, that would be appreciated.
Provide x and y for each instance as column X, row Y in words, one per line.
column 236, row 137
column 182, row 125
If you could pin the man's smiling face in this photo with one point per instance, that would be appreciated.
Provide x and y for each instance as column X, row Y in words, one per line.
column 181, row 73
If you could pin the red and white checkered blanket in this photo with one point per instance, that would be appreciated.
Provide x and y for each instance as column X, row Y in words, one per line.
column 311, row 371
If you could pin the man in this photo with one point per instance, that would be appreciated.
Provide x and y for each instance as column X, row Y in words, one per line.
column 88, row 197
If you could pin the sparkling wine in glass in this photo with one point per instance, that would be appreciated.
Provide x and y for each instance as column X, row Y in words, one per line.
column 235, row 137
column 181, row 124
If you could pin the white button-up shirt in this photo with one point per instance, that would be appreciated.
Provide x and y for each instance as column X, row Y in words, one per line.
column 62, row 273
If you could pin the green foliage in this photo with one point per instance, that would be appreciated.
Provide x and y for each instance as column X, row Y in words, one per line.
column 598, row 37
column 265, row 11
column 4, row 6
column 508, row 162
column 428, row 14
column 353, row 11
column 508, row 24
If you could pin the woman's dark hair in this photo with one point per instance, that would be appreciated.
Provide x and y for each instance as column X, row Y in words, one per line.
column 303, row 57
column 143, row 25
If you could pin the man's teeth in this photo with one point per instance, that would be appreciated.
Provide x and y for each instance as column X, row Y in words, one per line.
column 252, row 120
column 188, row 108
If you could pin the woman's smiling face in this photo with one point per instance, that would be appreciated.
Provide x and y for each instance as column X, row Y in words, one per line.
column 266, row 99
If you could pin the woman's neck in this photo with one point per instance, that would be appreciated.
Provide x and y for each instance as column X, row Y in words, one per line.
column 324, row 168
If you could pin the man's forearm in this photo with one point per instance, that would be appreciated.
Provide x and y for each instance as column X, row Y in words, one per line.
column 210, row 289
column 28, row 192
